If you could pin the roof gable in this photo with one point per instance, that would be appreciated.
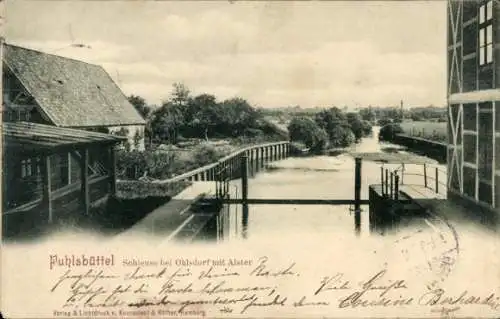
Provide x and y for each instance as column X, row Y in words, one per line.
column 72, row 93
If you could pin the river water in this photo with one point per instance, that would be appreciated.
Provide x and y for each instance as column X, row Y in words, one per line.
column 446, row 249
column 318, row 177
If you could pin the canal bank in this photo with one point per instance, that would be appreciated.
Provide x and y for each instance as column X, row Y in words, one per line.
column 316, row 177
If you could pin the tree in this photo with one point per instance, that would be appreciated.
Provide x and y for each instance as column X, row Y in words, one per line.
column 356, row 125
column 137, row 139
column 166, row 122
column 384, row 121
column 305, row 130
column 206, row 113
column 367, row 128
column 336, row 125
column 388, row 132
column 180, row 94
column 367, row 114
column 341, row 136
column 330, row 118
column 140, row 105
column 171, row 117
column 237, row 116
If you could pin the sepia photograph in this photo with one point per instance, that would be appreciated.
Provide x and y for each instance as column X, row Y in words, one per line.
column 250, row 159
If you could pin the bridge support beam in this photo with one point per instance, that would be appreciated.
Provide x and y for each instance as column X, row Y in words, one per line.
column 357, row 196
column 244, row 193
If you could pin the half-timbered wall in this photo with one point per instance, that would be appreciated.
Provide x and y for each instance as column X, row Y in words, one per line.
column 18, row 104
column 474, row 125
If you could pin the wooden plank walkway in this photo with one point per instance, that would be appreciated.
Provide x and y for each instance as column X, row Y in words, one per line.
column 196, row 189
column 417, row 192
column 168, row 220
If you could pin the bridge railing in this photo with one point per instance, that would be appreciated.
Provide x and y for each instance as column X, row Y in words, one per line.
column 230, row 165
column 427, row 175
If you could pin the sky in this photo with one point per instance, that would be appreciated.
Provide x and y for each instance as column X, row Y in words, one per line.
column 274, row 54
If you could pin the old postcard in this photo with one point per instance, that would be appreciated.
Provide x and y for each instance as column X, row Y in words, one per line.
column 263, row 159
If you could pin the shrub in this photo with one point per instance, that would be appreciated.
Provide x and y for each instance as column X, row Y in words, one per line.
column 130, row 165
column 205, row 154
column 387, row 132
column 341, row 136
column 306, row 130
column 384, row 122
column 160, row 164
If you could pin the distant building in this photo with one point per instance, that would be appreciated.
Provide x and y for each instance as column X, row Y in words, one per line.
column 474, row 103
column 54, row 90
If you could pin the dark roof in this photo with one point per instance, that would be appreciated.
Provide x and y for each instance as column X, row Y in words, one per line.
column 27, row 137
column 72, row 93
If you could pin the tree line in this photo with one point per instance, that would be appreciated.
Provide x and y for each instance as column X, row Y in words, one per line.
column 184, row 115
column 328, row 128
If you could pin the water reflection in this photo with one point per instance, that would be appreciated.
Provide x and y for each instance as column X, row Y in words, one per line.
column 317, row 177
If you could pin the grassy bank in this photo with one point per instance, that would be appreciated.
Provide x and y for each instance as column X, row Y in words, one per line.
column 435, row 131
column 162, row 162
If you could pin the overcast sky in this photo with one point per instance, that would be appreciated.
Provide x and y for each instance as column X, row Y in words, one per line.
column 271, row 53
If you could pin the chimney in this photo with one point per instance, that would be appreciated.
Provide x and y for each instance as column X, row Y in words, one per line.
column 401, row 110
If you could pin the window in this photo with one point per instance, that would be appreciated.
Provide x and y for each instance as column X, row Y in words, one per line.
column 470, row 117
column 486, row 33
column 59, row 170
column 26, row 170
column 485, row 155
column 469, row 182
column 29, row 167
column 470, row 148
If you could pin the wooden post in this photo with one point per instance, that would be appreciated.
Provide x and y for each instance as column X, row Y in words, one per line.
column 402, row 173
column 357, row 196
column 386, row 181
column 257, row 161
column 69, row 167
column 262, row 156
column 392, row 192
column 251, row 162
column 396, row 186
column 46, row 180
column 217, row 183
column 85, row 181
column 112, row 159
column 437, row 180
column 382, row 179
column 425, row 175
column 231, row 169
column 244, row 177
column 244, row 193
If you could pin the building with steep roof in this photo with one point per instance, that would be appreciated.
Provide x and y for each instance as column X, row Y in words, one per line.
column 54, row 90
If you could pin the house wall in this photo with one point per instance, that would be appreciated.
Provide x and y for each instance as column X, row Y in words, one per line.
column 23, row 204
column 473, row 126
column 18, row 104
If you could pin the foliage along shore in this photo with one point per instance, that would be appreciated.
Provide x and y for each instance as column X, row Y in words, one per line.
column 190, row 131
